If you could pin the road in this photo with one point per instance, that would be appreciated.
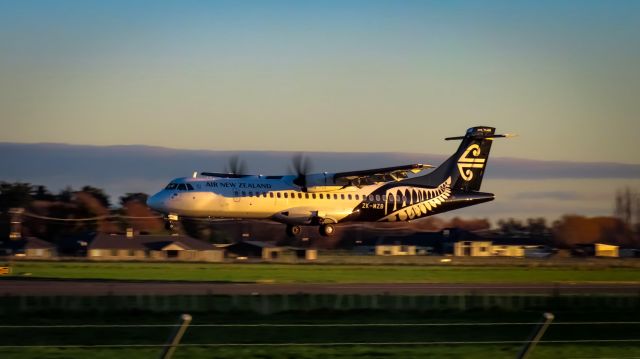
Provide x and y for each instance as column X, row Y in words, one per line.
column 38, row 287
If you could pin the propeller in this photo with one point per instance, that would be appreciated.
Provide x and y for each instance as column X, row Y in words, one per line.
column 301, row 165
column 236, row 166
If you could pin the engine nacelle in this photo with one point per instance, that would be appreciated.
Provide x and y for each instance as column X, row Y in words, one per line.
column 321, row 182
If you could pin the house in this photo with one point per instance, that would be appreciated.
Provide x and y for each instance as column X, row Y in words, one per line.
column 597, row 250
column 148, row 247
column 395, row 250
column 28, row 247
column 412, row 244
column 472, row 249
column 520, row 247
column 502, row 247
column 267, row 251
column 606, row 250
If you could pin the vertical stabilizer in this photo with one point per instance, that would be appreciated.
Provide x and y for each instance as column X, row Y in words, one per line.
column 467, row 165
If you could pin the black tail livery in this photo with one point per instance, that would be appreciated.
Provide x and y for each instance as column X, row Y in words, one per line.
column 467, row 165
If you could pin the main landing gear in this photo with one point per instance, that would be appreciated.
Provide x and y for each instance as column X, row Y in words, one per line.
column 326, row 230
column 293, row 231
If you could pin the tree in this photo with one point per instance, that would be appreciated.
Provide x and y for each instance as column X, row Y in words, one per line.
column 98, row 194
column 15, row 195
column 41, row 193
column 572, row 230
column 511, row 226
column 65, row 195
column 626, row 208
column 131, row 197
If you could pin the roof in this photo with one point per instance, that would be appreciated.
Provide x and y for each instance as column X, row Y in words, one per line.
column 26, row 243
column 518, row 242
column 259, row 244
column 156, row 243
column 37, row 243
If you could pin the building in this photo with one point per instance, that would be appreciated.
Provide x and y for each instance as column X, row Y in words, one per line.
column 472, row 249
column 28, row 247
column 395, row 250
column 267, row 251
column 179, row 248
column 606, row 250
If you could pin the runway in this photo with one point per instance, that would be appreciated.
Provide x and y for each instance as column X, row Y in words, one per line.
column 38, row 287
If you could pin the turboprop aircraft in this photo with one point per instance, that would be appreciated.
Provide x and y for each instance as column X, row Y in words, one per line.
column 324, row 199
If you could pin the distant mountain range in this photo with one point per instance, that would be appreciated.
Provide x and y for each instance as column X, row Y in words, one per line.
column 121, row 169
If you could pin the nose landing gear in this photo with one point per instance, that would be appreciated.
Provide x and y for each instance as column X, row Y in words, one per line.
column 170, row 221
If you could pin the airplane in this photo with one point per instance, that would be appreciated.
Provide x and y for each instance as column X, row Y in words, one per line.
column 390, row 194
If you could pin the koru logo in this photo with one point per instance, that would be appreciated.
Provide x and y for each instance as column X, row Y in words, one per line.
column 466, row 163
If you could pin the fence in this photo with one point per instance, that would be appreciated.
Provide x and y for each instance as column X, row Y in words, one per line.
column 268, row 304
column 507, row 335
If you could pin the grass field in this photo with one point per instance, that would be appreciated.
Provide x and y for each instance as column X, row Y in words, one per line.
column 213, row 335
column 321, row 273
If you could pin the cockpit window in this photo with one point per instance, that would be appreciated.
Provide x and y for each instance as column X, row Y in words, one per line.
column 189, row 187
column 182, row 187
column 171, row 186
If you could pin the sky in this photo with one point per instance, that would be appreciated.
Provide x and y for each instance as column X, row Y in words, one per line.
column 361, row 76
column 342, row 76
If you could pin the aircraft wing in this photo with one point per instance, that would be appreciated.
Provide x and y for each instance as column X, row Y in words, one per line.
column 376, row 175
column 223, row 175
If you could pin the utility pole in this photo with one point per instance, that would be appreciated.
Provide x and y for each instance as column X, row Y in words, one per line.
column 15, row 225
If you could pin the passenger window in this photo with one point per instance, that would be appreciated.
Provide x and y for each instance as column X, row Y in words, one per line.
column 335, row 196
column 377, row 198
column 278, row 194
column 286, row 195
column 182, row 187
column 349, row 196
column 320, row 195
column 250, row 194
column 358, row 197
column 313, row 195
column 306, row 195
column 299, row 195
column 244, row 194
column 189, row 187
column 342, row 196
column 271, row 194
column 370, row 198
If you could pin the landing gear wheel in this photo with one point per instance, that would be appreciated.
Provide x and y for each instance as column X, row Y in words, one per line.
column 169, row 225
column 327, row 230
column 293, row 231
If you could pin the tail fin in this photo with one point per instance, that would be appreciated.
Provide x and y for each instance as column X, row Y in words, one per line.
column 466, row 167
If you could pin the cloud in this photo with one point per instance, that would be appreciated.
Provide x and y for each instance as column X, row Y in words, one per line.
column 549, row 195
column 524, row 188
column 533, row 169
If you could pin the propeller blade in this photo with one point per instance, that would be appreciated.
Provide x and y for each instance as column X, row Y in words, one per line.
column 236, row 166
column 301, row 166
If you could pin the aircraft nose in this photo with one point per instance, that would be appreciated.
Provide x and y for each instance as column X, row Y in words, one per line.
column 156, row 202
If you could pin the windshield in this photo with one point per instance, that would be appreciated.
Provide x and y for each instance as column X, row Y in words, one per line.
column 171, row 186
